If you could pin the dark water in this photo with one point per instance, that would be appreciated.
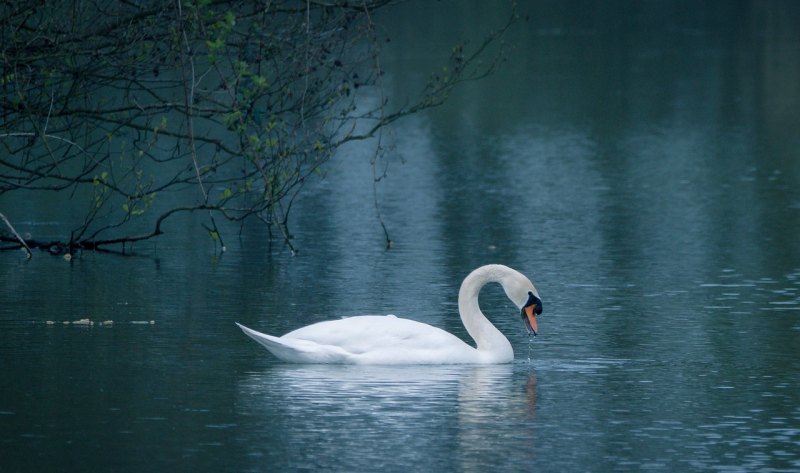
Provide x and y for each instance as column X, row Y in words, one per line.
column 640, row 162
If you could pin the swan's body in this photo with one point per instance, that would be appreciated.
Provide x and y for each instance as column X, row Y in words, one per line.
column 378, row 339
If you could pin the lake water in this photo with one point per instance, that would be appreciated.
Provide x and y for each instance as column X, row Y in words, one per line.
column 640, row 162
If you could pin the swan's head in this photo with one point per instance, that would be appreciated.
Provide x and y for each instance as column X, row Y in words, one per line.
column 524, row 295
column 532, row 308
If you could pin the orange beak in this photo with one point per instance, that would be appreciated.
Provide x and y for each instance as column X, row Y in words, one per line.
column 530, row 319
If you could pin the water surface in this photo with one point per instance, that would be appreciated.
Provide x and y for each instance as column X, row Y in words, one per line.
column 640, row 163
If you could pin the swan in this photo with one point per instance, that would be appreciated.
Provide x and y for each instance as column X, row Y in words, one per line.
column 387, row 339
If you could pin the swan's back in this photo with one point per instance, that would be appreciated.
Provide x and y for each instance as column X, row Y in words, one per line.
column 386, row 339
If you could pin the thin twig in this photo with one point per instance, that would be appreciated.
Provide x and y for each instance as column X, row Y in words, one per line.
column 189, row 98
column 381, row 111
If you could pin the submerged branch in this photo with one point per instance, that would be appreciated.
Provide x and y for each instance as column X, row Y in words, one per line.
column 16, row 235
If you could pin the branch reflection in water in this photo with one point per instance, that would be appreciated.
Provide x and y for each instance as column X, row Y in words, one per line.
column 353, row 418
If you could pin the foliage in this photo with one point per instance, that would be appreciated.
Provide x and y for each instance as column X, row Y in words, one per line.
column 145, row 109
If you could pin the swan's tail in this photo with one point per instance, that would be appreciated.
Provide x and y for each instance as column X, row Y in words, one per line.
column 295, row 350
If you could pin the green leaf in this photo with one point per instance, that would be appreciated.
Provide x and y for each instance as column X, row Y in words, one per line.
column 260, row 82
column 241, row 68
column 230, row 18
column 215, row 45
column 231, row 120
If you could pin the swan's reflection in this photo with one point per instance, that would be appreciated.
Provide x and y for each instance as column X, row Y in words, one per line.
column 375, row 417
column 492, row 413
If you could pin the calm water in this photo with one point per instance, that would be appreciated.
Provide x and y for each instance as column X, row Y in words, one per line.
column 641, row 163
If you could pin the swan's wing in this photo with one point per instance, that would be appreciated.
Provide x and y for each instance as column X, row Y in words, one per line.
column 368, row 339
column 386, row 339
column 296, row 350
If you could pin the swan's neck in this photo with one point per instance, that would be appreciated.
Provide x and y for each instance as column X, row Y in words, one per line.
column 488, row 339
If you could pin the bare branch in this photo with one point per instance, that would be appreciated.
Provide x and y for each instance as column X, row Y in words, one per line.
column 128, row 109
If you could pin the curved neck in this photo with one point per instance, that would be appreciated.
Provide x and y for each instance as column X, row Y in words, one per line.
column 488, row 339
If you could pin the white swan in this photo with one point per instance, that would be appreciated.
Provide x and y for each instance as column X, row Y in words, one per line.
column 386, row 339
